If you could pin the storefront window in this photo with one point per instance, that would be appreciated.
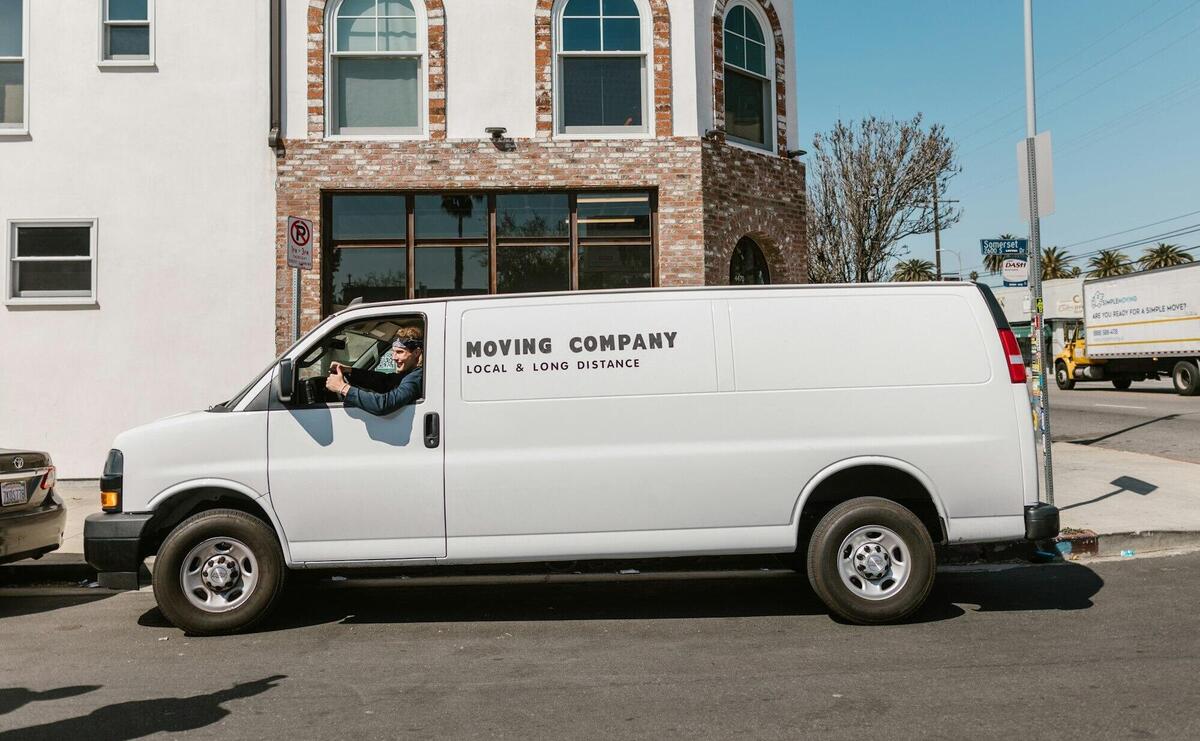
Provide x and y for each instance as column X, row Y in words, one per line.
column 390, row 246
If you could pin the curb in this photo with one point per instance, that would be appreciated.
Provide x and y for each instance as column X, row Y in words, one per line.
column 53, row 568
column 1074, row 544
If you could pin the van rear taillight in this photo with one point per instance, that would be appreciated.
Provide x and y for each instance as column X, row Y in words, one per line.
column 1012, row 355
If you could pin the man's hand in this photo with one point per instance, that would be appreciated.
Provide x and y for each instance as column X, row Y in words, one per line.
column 336, row 381
column 340, row 368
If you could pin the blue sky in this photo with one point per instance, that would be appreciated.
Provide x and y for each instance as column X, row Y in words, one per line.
column 1118, row 87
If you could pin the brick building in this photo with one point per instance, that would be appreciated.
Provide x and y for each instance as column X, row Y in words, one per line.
column 643, row 142
column 151, row 152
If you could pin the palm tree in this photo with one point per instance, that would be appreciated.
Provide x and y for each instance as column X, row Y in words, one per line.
column 1076, row 271
column 911, row 271
column 1108, row 263
column 1054, row 264
column 993, row 263
column 974, row 276
column 1163, row 255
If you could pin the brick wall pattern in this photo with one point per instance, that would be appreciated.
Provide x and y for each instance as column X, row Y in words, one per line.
column 543, row 33
column 781, row 117
column 435, row 61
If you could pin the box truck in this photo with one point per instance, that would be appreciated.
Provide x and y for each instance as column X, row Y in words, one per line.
column 1137, row 327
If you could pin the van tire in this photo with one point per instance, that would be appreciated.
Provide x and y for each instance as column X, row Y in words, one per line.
column 832, row 544
column 1186, row 377
column 254, row 550
column 1062, row 377
column 1122, row 384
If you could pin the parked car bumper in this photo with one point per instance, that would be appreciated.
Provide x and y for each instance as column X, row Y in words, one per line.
column 1041, row 521
column 33, row 532
column 112, row 544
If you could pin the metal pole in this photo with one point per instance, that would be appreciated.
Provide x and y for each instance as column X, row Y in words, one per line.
column 937, row 231
column 295, row 304
column 1037, row 339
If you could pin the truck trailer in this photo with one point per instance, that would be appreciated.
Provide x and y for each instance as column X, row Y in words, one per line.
column 1137, row 327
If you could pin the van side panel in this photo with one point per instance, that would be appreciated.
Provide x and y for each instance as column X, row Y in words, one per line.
column 829, row 375
column 534, row 446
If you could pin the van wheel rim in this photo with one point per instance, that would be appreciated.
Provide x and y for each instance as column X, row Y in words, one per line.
column 219, row 575
column 874, row 562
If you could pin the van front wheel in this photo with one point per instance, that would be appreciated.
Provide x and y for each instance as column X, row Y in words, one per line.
column 871, row 561
column 218, row 572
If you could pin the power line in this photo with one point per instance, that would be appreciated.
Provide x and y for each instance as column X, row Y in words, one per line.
column 1090, row 67
column 1132, row 229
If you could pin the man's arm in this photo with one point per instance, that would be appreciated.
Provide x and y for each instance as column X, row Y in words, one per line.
column 406, row 392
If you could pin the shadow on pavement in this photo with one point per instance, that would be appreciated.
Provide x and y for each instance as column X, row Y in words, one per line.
column 1059, row 586
column 356, row 602
column 1131, row 428
column 1123, row 484
column 138, row 718
column 14, row 698
column 17, row 601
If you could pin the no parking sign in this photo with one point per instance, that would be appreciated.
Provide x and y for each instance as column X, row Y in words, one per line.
column 299, row 236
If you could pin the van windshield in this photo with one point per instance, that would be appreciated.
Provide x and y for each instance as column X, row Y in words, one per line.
column 229, row 404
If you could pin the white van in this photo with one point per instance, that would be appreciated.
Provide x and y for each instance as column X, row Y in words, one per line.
column 598, row 425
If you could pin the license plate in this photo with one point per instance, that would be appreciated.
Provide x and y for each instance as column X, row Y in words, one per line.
column 13, row 493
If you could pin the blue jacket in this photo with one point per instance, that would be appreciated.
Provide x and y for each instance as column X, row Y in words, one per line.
column 383, row 393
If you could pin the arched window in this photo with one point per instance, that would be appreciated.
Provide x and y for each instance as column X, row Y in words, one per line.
column 749, row 104
column 748, row 267
column 376, row 68
column 601, row 83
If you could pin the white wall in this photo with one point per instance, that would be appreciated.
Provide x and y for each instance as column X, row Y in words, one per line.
column 490, row 67
column 174, row 164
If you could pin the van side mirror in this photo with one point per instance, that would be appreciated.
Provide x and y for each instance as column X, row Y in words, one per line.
column 287, row 380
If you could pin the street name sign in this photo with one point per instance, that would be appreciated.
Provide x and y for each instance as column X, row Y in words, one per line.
column 1004, row 246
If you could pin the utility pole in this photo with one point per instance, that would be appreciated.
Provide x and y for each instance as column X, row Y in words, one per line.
column 937, row 232
column 1041, row 393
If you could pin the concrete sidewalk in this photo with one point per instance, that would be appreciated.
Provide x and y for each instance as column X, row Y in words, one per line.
column 1111, row 501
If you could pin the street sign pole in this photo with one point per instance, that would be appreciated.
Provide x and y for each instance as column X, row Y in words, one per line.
column 1037, row 337
column 295, row 304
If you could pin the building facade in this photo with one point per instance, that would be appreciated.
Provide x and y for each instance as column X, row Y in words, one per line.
column 531, row 145
column 151, row 153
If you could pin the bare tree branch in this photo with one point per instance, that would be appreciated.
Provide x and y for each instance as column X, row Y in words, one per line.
column 871, row 187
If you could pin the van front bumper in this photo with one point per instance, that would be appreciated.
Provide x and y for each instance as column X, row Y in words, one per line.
column 1041, row 521
column 112, row 544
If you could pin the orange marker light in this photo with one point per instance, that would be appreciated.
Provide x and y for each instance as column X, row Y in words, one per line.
column 110, row 500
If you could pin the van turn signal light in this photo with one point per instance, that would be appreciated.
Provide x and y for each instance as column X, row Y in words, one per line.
column 110, row 500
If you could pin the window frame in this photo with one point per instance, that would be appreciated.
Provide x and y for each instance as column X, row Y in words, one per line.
column 105, row 24
column 494, row 243
column 50, row 298
column 21, row 129
column 421, row 54
column 646, row 31
column 770, row 115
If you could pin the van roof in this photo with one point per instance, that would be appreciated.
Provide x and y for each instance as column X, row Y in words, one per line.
column 673, row 289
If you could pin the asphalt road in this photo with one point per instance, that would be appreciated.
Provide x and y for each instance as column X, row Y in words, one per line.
column 1148, row 418
column 1058, row 651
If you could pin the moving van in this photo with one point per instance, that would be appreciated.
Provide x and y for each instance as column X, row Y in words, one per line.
column 597, row 425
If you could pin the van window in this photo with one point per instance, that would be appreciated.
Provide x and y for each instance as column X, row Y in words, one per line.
column 577, row 350
column 365, row 344
column 835, row 339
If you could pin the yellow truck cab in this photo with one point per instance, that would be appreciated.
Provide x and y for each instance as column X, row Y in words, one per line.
column 1073, row 363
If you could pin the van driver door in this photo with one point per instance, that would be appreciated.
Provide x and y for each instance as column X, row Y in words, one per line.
column 347, row 485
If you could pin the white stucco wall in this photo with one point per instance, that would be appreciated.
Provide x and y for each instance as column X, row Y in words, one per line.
column 490, row 67
column 174, row 164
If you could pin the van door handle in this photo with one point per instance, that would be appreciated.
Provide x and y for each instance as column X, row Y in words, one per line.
column 433, row 430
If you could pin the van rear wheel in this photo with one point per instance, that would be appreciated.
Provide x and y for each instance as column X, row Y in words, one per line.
column 218, row 572
column 871, row 561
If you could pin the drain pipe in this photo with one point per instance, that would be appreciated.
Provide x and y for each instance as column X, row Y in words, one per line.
column 275, row 136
